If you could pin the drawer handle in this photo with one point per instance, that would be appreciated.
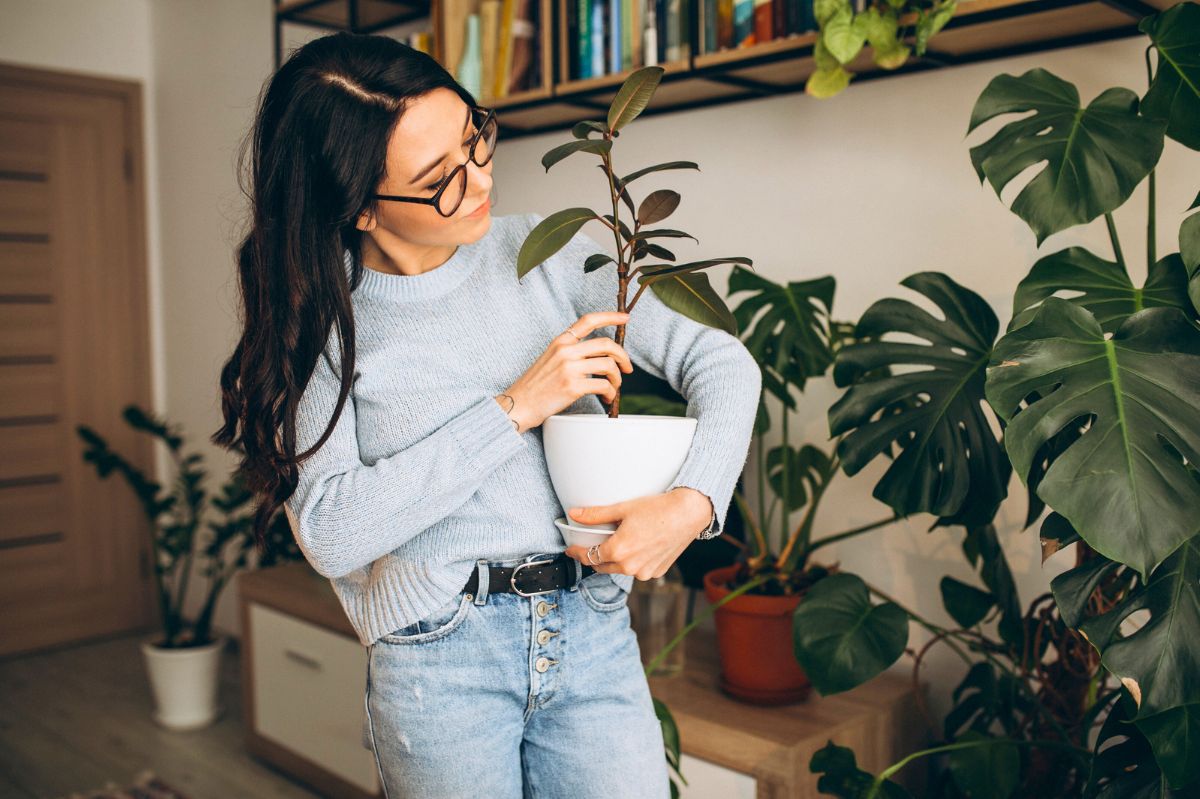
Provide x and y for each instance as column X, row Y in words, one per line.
column 303, row 659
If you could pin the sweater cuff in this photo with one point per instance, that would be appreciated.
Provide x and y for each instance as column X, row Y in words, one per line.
column 486, row 436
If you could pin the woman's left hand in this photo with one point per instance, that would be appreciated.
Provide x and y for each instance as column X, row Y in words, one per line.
column 652, row 532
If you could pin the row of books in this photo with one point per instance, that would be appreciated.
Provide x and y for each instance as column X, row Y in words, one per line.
column 608, row 36
column 491, row 47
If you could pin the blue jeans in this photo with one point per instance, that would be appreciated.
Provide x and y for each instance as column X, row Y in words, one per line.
column 511, row 697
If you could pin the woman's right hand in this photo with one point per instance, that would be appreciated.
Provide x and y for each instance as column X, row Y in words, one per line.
column 560, row 375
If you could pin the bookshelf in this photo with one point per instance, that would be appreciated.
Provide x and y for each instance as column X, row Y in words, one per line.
column 980, row 30
column 357, row 16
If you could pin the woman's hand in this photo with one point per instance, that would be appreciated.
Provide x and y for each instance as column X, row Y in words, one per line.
column 651, row 533
column 562, row 374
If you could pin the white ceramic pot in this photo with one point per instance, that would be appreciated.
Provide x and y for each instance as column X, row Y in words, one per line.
column 596, row 460
column 184, row 683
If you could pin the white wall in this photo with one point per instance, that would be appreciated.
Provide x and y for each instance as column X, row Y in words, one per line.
column 870, row 186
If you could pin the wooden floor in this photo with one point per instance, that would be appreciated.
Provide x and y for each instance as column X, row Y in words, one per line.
column 78, row 717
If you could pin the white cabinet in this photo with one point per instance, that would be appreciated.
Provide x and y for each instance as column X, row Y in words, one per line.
column 709, row 781
column 308, row 693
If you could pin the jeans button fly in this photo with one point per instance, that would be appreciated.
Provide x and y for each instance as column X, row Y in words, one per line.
column 542, row 608
column 542, row 664
column 543, row 636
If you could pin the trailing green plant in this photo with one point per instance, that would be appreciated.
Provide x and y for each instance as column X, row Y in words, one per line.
column 176, row 516
column 893, row 29
column 1093, row 689
column 681, row 286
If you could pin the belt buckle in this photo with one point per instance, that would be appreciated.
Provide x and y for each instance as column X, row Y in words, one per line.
column 512, row 579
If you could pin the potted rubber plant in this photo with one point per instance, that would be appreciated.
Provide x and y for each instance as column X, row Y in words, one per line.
column 182, row 658
column 601, row 459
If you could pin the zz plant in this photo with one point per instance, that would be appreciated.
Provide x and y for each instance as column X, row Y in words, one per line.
column 681, row 286
column 1094, row 689
column 175, row 517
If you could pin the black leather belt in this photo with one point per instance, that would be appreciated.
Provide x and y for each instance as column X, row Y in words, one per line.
column 531, row 578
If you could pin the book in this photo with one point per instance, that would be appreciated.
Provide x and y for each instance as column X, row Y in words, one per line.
column 489, row 27
column 764, row 18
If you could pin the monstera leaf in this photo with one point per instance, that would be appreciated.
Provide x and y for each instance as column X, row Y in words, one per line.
column 809, row 471
column 1106, row 288
column 1189, row 251
column 950, row 462
column 840, row 639
column 1158, row 662
column 841, row 776
column 1123, row 484
column 1174, row 94
column 791, row 338
column 1094, row 156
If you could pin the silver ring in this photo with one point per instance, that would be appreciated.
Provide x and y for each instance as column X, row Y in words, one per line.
column 572, row 332
column 594, row 550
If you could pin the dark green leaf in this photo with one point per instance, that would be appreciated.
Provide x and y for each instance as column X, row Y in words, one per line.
column 693, row 296
column 840, row 639
column 989, row 770
column 549, row 236
column 966, row 604
column 586, row 127
column 1094, row 157
column 632, row 176
column 1106, row 288
column 809, row 470
column 1118, row 485
column 841, row 776
column 596, row 261
column 597, row 146
column 1056, row 534
column 671, row 269
column 790, row 336
column 1174, row 94
column 1189, row 251
column 950, row 461
column 633, row 96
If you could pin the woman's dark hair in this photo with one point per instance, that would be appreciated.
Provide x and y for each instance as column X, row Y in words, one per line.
column 320, row 141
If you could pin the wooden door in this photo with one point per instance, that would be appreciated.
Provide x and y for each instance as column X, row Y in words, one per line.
column 74, row 349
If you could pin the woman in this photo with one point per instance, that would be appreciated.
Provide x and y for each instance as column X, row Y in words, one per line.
column 387, row 391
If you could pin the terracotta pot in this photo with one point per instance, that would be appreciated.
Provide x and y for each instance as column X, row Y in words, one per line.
column 754, row 637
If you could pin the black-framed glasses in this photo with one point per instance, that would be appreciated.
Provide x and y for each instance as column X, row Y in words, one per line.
column 450, row 194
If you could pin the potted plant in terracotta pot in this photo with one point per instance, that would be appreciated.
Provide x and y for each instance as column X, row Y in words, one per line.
column 789, row 331
column 182, row 659
column 601, row 459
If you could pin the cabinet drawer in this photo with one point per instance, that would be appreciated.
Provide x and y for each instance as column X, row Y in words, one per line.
column 309, row 686
column 710, row 781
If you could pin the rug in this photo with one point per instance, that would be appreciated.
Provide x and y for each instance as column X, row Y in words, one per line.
column 145, row 786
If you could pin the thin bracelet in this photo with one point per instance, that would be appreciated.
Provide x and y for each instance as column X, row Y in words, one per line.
column 513, row 402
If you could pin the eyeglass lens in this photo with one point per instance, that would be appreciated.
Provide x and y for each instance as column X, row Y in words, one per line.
column 485, row 147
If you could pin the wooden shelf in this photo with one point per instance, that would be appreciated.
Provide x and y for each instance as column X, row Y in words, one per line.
column 980, row 30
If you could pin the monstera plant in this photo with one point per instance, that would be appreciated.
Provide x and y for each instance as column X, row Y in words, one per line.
column 1092, row 689
column 885, row 26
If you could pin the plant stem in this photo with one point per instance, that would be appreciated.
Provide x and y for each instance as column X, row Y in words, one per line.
column 895, row 767
column 820, row 542
column 752, row 583
column 1151, row 244
column 1116, row 243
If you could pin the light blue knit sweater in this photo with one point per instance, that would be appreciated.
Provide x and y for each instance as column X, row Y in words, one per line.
column 424, row 473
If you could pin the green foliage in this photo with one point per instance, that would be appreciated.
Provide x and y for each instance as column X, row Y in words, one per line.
column 682, row 287
column 842, row 33
column 841, row 638
column 1094, row 157
column 950, row 463
column 1121, row 487
column 175, row 517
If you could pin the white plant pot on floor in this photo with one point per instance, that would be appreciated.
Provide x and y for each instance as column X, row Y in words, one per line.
column 596, row 460
column 184, row 683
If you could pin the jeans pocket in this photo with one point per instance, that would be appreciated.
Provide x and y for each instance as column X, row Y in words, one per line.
column 440, row 623
column 602, row 592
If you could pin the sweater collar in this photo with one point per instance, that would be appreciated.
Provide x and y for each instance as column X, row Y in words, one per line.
column 407, row 288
